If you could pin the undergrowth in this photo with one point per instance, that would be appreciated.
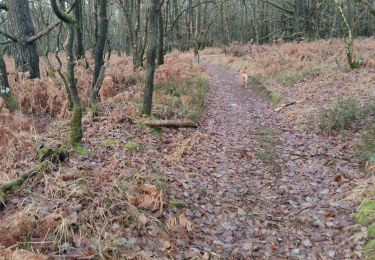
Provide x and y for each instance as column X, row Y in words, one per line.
column 340, row 117
column 183, row 100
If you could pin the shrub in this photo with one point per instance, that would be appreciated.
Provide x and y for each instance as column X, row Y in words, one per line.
column 366, row 150
column 198, row 99
column 340, row 117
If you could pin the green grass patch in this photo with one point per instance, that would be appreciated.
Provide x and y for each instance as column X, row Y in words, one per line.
column 156, row 131
column 369, row 250
column 187, row 99
column 132, row 146
column 365, row 215
column 80, row 150
column 275, row 97
column 177, row 204
column 109, row 142
column 267, row 142
column 371, row 231
column 198, row 100
column 294, row 77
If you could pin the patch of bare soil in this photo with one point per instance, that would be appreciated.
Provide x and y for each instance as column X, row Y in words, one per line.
column 252, row 185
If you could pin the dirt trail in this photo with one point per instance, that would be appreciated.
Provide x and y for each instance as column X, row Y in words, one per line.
column 258, row 188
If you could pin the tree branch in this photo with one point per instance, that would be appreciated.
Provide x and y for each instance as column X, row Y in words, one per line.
column 10, row 37
column 369, row 6
column 65, row 17
column 278, row 7
column 184, row 11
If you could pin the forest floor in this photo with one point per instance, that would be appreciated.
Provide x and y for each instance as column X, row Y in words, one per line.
column 256, row 179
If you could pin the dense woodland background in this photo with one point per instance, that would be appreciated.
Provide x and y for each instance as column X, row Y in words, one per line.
column 182, row 24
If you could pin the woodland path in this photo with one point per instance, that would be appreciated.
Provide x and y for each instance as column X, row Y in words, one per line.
column 253, row 191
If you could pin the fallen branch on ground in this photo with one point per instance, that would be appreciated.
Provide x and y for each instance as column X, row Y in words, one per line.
column 18, row 182
column 169, row 123
column 331, row 156
column 46, row 156
column 288, row 104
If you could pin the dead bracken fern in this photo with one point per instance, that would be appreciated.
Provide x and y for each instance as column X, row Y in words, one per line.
column 148, row 197
column 173, row 223
column 21, row 255
column 185, row 146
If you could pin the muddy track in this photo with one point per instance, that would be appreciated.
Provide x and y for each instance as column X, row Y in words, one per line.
column 252, row 189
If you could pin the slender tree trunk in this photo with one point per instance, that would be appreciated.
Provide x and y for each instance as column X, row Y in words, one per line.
column 76, row 131
column 26, row 54
column 137, row 41
column 161, row 37
column 152, row 46
column 99, row 53
column 80, row 48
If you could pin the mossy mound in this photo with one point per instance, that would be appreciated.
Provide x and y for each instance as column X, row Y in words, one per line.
column 109, row 142
column 366, row 213
column 369, row 250
column 52, row 154
column 80, row 150
column 371, row 231
column 132, row 146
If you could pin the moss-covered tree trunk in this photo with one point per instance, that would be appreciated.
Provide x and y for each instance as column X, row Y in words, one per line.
column 76, row 131
column 152, row 46
column 5, row 91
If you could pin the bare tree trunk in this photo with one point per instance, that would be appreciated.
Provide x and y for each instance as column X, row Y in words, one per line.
column 26, row 54
column 137, row 41
column 152, row 46
column 80, row 48
column 161, row 37
column 99, row 53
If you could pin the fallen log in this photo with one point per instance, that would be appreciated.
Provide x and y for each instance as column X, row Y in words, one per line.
column 169, row 123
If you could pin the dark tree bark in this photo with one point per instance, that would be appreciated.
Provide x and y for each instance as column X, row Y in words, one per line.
column 80, row 48
column 137, row 41
column 26, row 54
column 99, row 52
column 161, row 36
column 152, row 46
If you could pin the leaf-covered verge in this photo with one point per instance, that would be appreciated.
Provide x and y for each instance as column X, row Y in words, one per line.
column 107, row 199
column 327, row 100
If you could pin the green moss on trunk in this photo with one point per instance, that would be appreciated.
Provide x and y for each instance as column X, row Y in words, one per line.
column 11, row 102
column 76, row 132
